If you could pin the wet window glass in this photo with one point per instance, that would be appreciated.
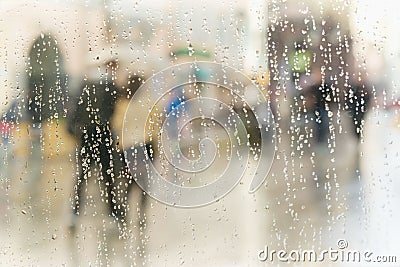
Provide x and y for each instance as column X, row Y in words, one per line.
column 199, row 133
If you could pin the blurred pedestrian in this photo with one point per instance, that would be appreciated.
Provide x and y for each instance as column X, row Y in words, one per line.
column 90, row 123
column 8, row 120
column 5, row 131
column 358, row 99
column 46, row 91
column 126, row 177
column 318, row 97
column 132, row 161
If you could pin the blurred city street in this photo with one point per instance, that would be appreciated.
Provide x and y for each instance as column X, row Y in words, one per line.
column 288, row 212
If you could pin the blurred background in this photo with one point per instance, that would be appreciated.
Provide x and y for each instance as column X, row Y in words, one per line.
column 329, row 71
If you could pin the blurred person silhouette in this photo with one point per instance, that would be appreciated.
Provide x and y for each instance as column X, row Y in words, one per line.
column 318, row 97
column 358, row 100
column 131, row 165
column 127, row 178
column 8, row 120
column 46, row 91
column 5, row 131
column 90, row 124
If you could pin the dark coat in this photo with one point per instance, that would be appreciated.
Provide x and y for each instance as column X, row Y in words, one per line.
column 93, row 107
